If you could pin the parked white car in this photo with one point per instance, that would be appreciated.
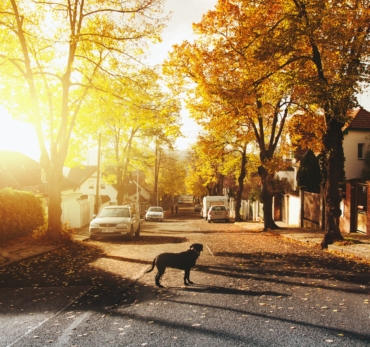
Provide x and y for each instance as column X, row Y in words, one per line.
column 115, row 221
column 155, row 213
column 217, row 212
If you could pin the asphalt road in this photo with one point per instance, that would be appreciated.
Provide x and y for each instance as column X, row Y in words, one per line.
column 251, row 289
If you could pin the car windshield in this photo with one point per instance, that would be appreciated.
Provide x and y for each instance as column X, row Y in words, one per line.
column 218, row 208
column 155, row 209
column 115, row 212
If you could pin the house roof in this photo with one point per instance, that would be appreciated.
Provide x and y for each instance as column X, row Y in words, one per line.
column 68, row 184
column 79, row 175
column 360, row 120
column 19, row 171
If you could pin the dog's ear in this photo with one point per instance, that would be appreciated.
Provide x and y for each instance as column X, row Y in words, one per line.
column 197, row 246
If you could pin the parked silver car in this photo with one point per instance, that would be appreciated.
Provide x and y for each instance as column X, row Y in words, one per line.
column 115, row 221
column 217, row 212
column 155, row 213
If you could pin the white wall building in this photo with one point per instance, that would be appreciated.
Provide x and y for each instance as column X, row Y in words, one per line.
column 356, row 143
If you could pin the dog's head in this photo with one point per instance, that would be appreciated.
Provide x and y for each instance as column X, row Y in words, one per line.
column 198, row 247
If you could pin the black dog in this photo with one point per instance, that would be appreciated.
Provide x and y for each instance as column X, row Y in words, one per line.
column 183, row 261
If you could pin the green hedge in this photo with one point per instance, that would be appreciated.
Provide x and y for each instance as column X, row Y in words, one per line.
column 21, row 213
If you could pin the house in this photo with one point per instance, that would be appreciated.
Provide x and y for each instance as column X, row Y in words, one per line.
column 20, row 172
column 86, row 180
column 356, row 142
column 75, row 206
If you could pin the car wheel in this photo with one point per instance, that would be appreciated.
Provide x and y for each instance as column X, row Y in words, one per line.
column 137, row 234
column 131, row 233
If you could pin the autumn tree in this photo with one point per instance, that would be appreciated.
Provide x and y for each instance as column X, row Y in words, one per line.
column 130, row 118
column 207, row 162
column 219, row 68
column 326, row 44
column 227, row 131
column 53, row 54
column 314, row 51
column 172, row 178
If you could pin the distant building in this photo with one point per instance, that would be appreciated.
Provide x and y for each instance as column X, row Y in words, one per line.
column 356, row 143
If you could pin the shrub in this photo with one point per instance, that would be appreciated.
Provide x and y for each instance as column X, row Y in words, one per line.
column 309, row 174
column 21, row 213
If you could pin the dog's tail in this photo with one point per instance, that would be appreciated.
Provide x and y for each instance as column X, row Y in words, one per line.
column 153, row 264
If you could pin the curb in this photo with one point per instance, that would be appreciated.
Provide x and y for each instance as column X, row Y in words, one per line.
column 363, row 254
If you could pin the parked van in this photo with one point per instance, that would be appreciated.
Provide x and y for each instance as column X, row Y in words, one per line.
column 209, row 201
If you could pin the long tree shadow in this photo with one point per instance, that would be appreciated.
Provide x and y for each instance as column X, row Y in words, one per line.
column 145, row 240
column 291, row 269
column 197, row 288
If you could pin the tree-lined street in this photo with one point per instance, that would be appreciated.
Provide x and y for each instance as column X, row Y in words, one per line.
column 251, row 289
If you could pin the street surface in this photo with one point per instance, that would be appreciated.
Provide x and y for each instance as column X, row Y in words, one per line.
column 251, row 289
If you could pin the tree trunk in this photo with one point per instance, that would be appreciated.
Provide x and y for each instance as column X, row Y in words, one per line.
column 239, row 192
column 333, row 163
column 267, row 195
column 55, row 179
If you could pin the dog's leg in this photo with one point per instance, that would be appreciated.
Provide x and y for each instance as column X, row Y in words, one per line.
column 187, row 277
column 158, row 276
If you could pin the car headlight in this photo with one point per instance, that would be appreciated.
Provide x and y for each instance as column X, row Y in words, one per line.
column 94, row 225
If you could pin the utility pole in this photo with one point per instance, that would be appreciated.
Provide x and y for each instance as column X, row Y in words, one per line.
column 155, row 190
column 137, row 191
column 97, row 197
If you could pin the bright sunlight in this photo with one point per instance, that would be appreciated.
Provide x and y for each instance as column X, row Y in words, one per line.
column 18, row 136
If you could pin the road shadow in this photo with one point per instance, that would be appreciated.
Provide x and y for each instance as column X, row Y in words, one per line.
column 225, row 290
column 143, row 240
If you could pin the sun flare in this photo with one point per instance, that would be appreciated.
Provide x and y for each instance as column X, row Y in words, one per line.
column 18, row 136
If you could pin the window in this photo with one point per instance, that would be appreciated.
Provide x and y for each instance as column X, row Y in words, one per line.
column 360, row 151
column 102, row 185
column 91, row 184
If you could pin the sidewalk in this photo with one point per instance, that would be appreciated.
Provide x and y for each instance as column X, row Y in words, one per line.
column 356, row 244
column 18, row 250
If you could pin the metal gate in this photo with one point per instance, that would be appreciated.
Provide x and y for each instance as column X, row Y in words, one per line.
column 361, row 207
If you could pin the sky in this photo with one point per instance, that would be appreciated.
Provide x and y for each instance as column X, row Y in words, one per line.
column 21, row 137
